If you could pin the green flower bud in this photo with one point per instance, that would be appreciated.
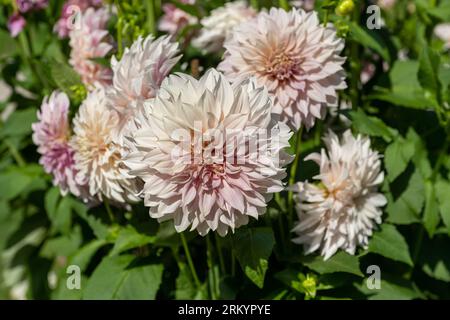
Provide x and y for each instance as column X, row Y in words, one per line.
column 345, row 8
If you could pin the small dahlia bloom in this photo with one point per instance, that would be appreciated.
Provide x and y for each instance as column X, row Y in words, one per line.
column 442, row 31
column 188, row 146
column 89, row 41
column 28, row 5
column 98, row 157
column 52, row 134
column 218, row 27
column 307, row 5
column 340, row 211
column 138, row 75
column 16, row 23
column 295, row 57
column 174, row 19
column 70, row 9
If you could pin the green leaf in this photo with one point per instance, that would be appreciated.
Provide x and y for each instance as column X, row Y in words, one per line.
column 13, row 183
column 116, row 278
column 434, row 258
column 185, row 285
column 371, row 126
column 83, row 256
column 407, row 208
column 63, row 245
column 253, row 247
column 19, row 123
column 391, row 290
column 8, row 47
column 389, row 243
column 340, row 262
column 431, row 217
column 397, row 156
column 129, row 238
column 100, row 230
column 64, row 76
column 428, row 73
column 441, row 12
column 369, row 39
column 442, row 188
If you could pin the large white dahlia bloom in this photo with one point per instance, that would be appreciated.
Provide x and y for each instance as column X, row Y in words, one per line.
column 294, row 56
column 220, row 24
column 210, row 153
column 341, row 211
column 139, row 73
column 98, row 157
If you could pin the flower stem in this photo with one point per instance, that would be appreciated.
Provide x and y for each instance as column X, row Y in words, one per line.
column 15, row 153
column 189, row 260
column 150, row 6
column 219, row 253
column 233, row 264
column 109, row 211
column 292, row 176
column 211, row 275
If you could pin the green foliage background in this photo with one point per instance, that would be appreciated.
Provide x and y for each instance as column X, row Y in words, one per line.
column 405, row 111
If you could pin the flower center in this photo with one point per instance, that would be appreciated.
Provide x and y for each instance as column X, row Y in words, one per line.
column 282, row 66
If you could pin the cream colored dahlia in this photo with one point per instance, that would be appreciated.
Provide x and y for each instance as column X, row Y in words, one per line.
column 294, row 56
column 340, row 211
column 138, row 75
column 210, row 153
column 97, row 155
column 89, row 41
column 442, row 31
column 220, row 25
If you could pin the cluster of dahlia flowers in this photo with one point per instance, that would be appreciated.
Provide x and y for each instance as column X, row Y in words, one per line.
column 210, row 153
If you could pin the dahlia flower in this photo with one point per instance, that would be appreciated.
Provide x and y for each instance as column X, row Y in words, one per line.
column 16, row 23
column 28, row 5
column 51, row 134
column 294, row 56
column 386, row 4
column 88, row 42
column 174, row 19
column 217, row 27
column 69, row 9
column 342, row 210
column 442, row 31
column 188, row 146
column 97, row 156
column 138, row 75
column 307, row 5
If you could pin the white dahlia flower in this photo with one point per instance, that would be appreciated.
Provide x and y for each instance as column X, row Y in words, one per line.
column 220, row 24
column 442, row 31
column 342, row 210
column 139, row 73
column 294, row 56
column 209, row 153
column 97, row 156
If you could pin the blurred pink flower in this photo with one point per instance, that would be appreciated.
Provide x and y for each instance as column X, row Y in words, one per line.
column 51, row 134
column 27, row 5
column 68, row 14
column 296, row 57
column 91, row 41
column 16, row 23
column 175, row 19
column 442, row 31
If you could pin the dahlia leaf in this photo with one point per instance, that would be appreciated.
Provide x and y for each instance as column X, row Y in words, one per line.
column 118, row 277
column 369, row 39
column 371, row 126
column 340, row 262
column 390, row 243
column 431, row 216
column 129, row 238
column 253, row 247
column 442, row 188
column 397, row 156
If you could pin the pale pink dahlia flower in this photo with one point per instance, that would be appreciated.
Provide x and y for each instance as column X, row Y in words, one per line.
column 219, row 26
column 138, row 75
column 188, row 147
column 97, row 155
column 51, row 134
column 342, row 210
column 294, row 56
column 442, row 31
column 70, row 9
column 174, row 19
column 88, row 42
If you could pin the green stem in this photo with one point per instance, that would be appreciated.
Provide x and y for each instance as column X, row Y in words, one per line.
column 109, row 211
column 355, row 66
column 15, row 153
column 211, row 276
column 189, row 260
column 292, row 176
column 150, row 6
column 233, row 264
column 220, row 254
